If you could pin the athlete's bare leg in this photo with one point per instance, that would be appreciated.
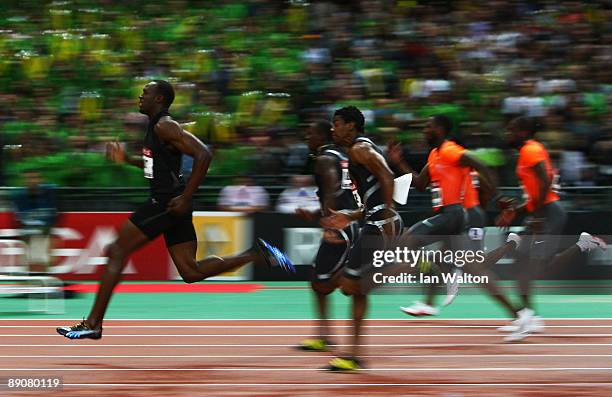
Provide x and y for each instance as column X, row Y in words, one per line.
column 431, row 293
column 321, row 291
column 353, row 288
column 129, row 240
column 526, row 268
column 360, row 305
column 564, row 258
column 492, row 287
column 492, row 257
column 192, row 271
column 434, row 270
column 533, row 268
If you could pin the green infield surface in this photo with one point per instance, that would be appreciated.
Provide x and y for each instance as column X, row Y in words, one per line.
column 294, row 300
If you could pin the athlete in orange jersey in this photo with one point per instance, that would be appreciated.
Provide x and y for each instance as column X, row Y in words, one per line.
column 446, row 172
column 447, row 175
column 544, row 222
column 535, row 171
column 473, row 240
column 447, row 169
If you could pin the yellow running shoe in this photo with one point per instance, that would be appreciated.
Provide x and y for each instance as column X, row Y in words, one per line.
column 314, row 345
column 347, row 364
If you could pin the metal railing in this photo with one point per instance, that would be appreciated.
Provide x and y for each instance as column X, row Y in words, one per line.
column 127, row 198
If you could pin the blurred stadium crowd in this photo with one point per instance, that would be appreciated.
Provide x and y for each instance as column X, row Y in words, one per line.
column 251, row 74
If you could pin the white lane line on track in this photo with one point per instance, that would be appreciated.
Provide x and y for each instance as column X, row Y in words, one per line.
column 487, row 369
column 290, row 345
column 313, row 356
column 333, row 385
column 53, row 335
column 308, row 319
column 300, row 326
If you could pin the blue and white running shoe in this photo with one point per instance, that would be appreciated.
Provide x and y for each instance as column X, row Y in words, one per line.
column 273, row 256
column 80, row 331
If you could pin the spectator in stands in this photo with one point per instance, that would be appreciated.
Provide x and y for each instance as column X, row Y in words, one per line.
column 301, row 194
column 243, row 196
column 2, row 155
column 36, row 212
column 478, row 65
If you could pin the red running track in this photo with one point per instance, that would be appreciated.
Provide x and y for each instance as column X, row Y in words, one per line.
column 256, row 357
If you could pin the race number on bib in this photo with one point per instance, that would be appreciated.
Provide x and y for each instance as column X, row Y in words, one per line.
column 556, row 183
column 476, row 233
column 147, row 158
column 525, row 194
column 347, row 182
column 436, row 195
column 475, row 179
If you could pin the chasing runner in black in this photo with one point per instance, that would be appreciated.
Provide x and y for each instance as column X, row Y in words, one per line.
column 374, row 180
column 336, row 192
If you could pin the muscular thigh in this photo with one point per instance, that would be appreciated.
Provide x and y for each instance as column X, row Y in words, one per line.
column 130, row 238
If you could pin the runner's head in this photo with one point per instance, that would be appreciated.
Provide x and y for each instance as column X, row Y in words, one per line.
column 318, row 134
column 437, row 129
column 348, row 123
column 520, row 129
column 156, row 95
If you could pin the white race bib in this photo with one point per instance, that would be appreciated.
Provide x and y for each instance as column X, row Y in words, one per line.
column 436, row 195
column 475, row 179
column 525, row 195
column 147, row 158
column 357, row 197
column 476, row 233
column 556, row 184
column 347, row 182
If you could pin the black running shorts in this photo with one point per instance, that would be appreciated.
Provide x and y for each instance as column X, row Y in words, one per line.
column 543, row 243
column 372, row 237
column 449, row 223
column 331, row 257
column 153, row 219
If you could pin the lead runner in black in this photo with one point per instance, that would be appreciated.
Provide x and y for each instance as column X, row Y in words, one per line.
column 168, row 210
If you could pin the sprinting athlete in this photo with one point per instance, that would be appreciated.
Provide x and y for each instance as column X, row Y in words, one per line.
column 472, row 240
column 544, row 223
column 448, row 166
column 167, row 212
column 374, row 181
column 448, row 172
column 335, row 191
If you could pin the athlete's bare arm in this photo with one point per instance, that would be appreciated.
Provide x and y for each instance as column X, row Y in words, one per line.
column 363, row 153
column 468, row 160
column 169, row 131
column 485, row 191
column 419, row 180
column 325, row 168
column 116, row 153
column 540, row 170
column 508, row 214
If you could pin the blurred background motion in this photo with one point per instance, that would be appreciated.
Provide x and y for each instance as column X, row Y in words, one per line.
column 251, row 75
